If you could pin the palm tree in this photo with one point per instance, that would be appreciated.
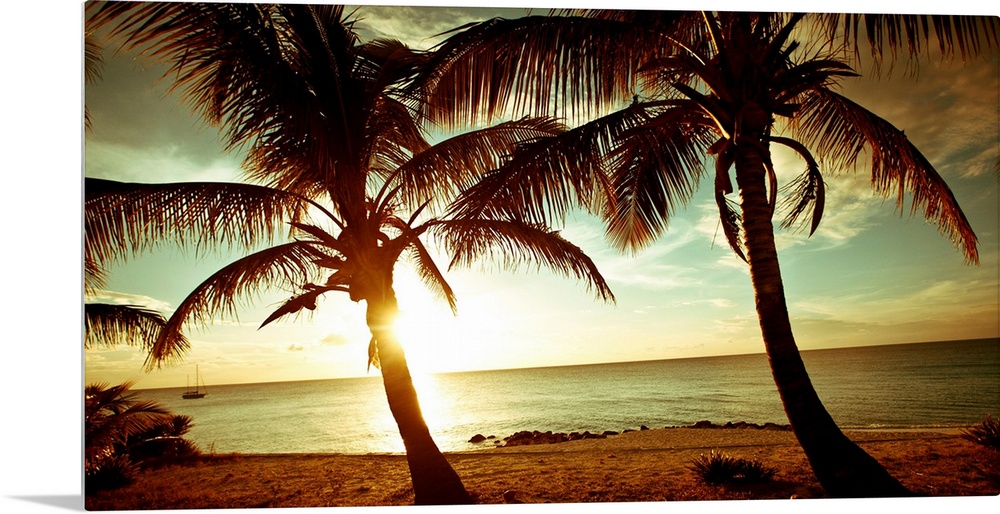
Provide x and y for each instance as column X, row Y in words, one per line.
column 334, row 153
column 658, row 92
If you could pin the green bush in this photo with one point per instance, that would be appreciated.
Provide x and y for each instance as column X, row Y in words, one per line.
column 719, row 468
column 986, row 434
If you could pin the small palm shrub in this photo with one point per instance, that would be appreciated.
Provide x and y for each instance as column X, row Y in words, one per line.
column 719, row 468
column 123, row 434
column 110, row 473
column 163, row 443
column 986, row 434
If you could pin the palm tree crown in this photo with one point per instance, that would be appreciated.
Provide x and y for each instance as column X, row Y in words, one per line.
column 657, row 93
column 668, row 88
column 335, row 152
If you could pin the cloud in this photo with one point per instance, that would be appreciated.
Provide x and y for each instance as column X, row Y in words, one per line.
column 335, row 340
column 904, row 303
column 158, row 163
column 657, row 266
column 295, row 347
column 653, row 276
column 416, row 26
column 721, row 303
column 954, row 102
column 117, row 298
column 140, row 133
column 736, row 324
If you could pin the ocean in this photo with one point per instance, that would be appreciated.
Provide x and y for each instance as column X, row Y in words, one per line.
column 943, row 384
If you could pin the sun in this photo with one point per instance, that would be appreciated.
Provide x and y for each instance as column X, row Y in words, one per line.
column 429, row 335
column 435, row 339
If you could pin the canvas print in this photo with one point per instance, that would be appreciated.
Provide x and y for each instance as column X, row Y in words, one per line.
column 384, row 255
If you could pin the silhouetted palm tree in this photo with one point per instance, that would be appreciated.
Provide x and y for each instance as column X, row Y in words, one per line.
column 335, row 153
column 681, row 86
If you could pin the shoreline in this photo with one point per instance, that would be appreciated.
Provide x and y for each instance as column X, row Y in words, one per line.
column 922, row 432
column 639, row 466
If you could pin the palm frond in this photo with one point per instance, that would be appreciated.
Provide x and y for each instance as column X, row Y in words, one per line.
column 730, row 217
column 321, row 235
column 288, row 265
column 112, row 325
column 393, row 137
column 565, row 66
column 545, row 178
column 887, row 35
column 274, row 78
column 305, row 300
column 93, row 68
column 457, row 163
column 807, row 193
column 113, row 413
column 814, row 73
column 120, row 217
column 93, row 60
column 94, row 276
column 513, row 244
column 731, row 223
column 373, row 359
column 429, row 273
column 840, row 130
column 655, row 169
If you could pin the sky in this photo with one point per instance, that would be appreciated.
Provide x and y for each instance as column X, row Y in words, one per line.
column 868, row 276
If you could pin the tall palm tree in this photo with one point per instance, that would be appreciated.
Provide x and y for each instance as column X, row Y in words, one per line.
column 658, row 92
column 335, row 154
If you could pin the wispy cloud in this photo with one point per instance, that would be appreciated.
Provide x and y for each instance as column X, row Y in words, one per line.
column 173, row 163
column 416, row 26
column 905, row 303
column 140, row 133
column 660, row 266
column 334, row 340
column 952, row 102
column 117, row 298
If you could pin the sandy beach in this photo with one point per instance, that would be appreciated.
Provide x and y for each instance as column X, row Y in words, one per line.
column 640, row 466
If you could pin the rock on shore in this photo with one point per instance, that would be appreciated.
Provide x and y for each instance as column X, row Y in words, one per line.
column 739, row 424
column 526, row 437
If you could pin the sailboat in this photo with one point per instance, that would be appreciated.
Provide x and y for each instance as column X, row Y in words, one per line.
column 197, row 392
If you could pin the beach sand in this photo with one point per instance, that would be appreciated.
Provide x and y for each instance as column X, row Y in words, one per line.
column 640, row 466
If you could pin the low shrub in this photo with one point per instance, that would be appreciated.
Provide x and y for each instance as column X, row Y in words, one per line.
column 986, row 433
column 123, row 435
column 163, row 451
column 719, row 468
column 111, row 473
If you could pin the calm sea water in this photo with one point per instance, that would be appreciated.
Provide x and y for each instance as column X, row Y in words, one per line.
column 945, row 384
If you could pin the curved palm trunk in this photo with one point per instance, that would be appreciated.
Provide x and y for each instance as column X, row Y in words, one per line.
column 434, row 480
column 842, row 468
